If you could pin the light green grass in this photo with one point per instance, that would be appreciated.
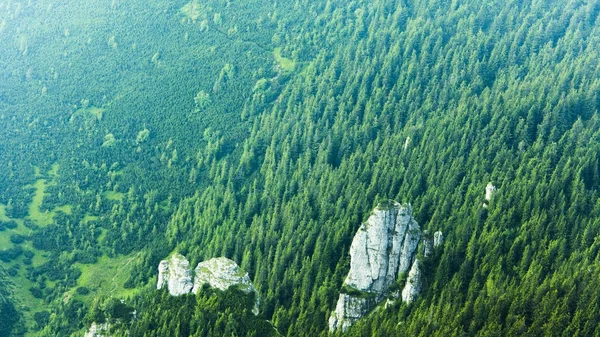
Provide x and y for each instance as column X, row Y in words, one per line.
column 46, row 217
column 102, row 235
column 87, row 218
column 107, row 277
column 114, row 196
column 40, row 218
column 21, row 293
column 285, row 64
column 88, row 114
column 67, row 209
column 53, row 173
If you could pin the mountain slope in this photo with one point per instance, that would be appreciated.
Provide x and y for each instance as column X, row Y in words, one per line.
column 351, row 103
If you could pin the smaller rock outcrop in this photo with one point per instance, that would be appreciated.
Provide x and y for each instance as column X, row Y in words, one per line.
column 223, row 273
column 412, row 288
column 175, row 274
column 98, row 330
column 427, row 243
column 489, row 191
column 438, row 239
column 348, row 310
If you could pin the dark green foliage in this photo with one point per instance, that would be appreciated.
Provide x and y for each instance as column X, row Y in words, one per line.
column 210, row 313
column 41, row 318
column 422, row 102
column 10, row 319
column 17, row 239
column 82, row 290
column 10, row 254
column 8, row 224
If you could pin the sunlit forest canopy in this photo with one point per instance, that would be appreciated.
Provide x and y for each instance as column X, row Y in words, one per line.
column 267, row 132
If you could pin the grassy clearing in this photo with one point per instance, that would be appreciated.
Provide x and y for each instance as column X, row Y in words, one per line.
column 40, row 218
column 87, row 218
column 107, row 277
column 25, row 300
column 35, row 214
column 89, row 114
column 285, row 64
column 114, row 196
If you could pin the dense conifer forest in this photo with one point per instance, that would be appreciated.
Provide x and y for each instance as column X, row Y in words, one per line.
column 266, row 132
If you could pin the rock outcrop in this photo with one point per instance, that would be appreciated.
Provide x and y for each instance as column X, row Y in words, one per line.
column 175, row 274
column 384, row 247
column 98, row 330
column 412, row 288
column 438, row 239
column 489, row 191
column 221, row 273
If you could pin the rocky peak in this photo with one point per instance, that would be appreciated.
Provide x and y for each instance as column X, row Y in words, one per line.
column 384, row 246
column 175, row 274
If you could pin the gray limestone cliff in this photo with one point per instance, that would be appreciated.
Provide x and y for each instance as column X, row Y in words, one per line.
column 222, row 273
column 384, row 247
column 175, row 274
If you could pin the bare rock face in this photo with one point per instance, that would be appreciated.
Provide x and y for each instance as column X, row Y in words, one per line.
column 348, row 310
column 175, row 274
column 223, row 273
column 489, row 191
column 98, row 330
column 383, row 247
column 438, row 239
column 412, row 288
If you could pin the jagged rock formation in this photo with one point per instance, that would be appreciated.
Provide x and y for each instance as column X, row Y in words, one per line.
column 98, row 330
column 223, row 273
column 412, row 288
column 175, row 273
column 438, row 239
column 383, row 247
column 220, row 273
